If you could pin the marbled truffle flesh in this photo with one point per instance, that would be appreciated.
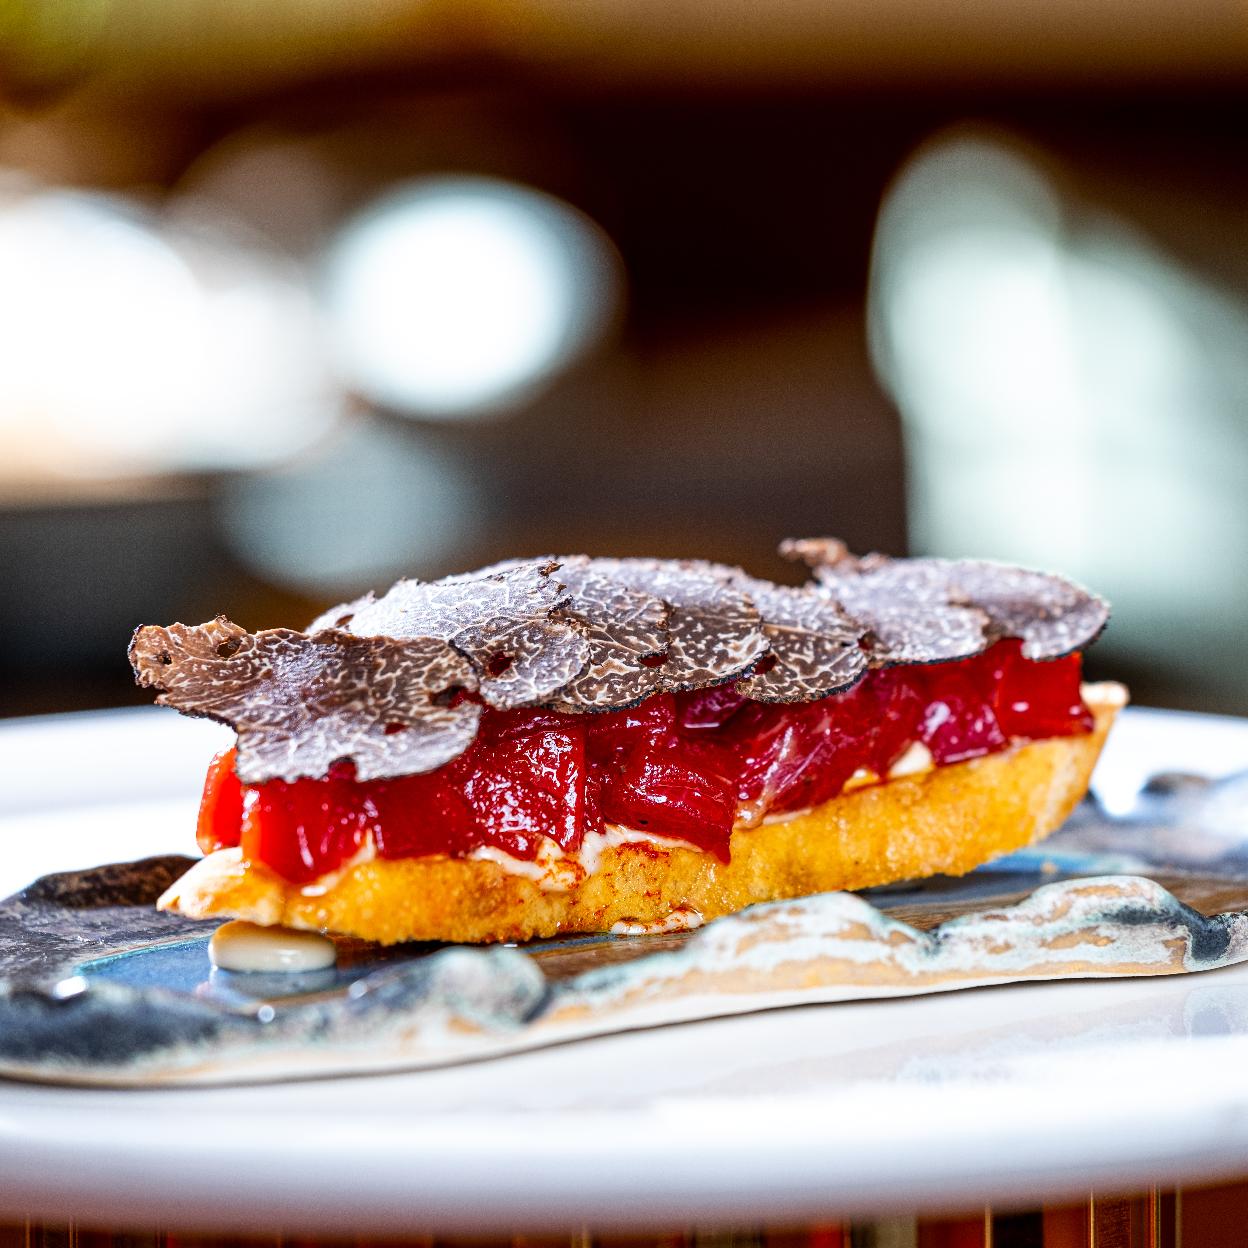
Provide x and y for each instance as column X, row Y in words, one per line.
column 394, row 684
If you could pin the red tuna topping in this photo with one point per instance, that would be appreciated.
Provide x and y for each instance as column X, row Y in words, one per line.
column 689, row 766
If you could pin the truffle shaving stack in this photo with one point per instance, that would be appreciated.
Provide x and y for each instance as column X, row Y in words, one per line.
column 396, row 684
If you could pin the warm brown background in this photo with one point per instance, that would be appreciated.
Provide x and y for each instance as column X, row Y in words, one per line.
column 737, row 158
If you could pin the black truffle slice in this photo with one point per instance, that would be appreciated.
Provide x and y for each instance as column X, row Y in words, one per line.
column 340, row 617
column 627, row 633
column 816, row 552
column 714, row 632
column 907, row 612
column 376, row 681
column 815, row 646
column 505, row 623
column 1051, row 615
column 931, row 610
column 299, row 704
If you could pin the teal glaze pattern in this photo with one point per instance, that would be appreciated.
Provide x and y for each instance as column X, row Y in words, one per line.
column 98, row 988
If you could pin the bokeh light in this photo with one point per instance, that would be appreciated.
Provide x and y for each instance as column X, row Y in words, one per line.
column 452, row 297
column 1072, row 396
column 134, row 347
column 282, row 189
column 369, row 505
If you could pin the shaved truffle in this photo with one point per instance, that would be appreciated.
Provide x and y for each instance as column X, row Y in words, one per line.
column 1051, row 615
column 815, row 648
column 816, row 552
column 394, row 684
column 714, row 632
column 931, row 610
column 627, row 633
column 503, row 622
column 340, row 617
column 907, row 612
column 300, row 704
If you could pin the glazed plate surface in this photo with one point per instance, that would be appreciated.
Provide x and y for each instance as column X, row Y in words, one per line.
column 935, row 1101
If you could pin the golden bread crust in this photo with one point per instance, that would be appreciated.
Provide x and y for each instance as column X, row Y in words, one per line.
column 949, row 819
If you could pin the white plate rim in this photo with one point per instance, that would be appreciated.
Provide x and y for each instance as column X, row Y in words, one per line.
column 278, row 1159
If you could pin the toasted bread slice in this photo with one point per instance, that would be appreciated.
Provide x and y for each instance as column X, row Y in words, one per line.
column 948, row 819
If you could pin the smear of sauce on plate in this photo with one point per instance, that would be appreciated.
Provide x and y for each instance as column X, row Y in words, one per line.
column 239, row 946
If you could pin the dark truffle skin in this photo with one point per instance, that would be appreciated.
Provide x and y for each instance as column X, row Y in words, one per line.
column 931, row 610
column 394, row 684
column 300, row 703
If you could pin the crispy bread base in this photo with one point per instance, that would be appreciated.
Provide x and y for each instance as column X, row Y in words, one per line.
column 949, row 819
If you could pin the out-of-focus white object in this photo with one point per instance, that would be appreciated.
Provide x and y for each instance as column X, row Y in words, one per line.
column 100, row 786
column 273, row 185
column 368, row 505
column 453, row 297
column 131, row 346
column 1072, row 398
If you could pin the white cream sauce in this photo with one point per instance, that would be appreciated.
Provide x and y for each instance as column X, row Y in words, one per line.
column 916, row 759
column 682, row 919
column 613, row 836
column 239, row 946
column 323, row 883
column 552, row 870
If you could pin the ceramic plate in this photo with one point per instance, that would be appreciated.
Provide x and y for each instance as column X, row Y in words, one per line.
column 789, row 1116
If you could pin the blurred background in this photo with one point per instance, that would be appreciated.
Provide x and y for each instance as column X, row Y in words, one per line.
column 299, row 297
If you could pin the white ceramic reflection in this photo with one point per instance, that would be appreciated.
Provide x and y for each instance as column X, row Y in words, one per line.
column 931, row 1103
